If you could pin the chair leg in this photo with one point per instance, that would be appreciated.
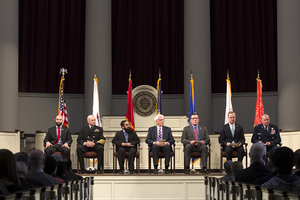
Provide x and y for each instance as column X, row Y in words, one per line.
column 77, row 165
column 209, row 162
column 174, row 163
column 138, row 160
column 113, row 164
column 149, row 167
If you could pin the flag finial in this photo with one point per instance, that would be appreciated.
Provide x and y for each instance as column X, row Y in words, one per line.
column 130, row 74
column 258, row 73
column 63, row 71
column 159, row 74
column 227, row 73
column 95, row 75
column 191, row 73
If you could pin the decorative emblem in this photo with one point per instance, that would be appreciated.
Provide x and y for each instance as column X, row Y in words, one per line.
column 144, row 103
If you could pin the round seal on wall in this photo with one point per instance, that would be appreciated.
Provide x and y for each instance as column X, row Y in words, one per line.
column 144, row 103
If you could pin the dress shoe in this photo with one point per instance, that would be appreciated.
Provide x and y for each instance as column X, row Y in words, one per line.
column 187, row 171
column 155, row 171
column 204, row 171
column 131, row 172
column 167, row 171
column 82, row 171
column 99, row 171
column 121, row 171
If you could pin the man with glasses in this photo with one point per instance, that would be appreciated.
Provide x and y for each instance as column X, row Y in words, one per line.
column 160, row 138
column 195, row 138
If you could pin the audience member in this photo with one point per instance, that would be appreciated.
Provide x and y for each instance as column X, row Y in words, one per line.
column 257, row 168
column 57, row 157
column 36, row 175
column 8, row 171
column 61, row 170
column 70, row 176
column 297, row 162
column 284, row 161
column 236, row 167
column 229, row 176
column 22, row 162
column 3, row 189
column 50, row 168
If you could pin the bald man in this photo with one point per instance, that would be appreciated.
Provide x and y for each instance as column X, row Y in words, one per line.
column 90, row 138
column 58, row 138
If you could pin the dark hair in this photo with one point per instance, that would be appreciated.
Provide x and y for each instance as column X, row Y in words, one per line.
column 50, row 165
column 22, row 157
column 297, row 158
column 61, row 169
column 284, row 160
column 122, row 123
column 236, row 166
column 8, row 167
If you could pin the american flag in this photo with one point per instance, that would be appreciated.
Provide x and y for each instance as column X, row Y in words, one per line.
column 62, row 106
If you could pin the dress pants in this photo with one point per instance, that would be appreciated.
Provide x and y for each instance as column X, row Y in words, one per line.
column 57, row 147
column 188, row 149
column 98, row 148
column 121, row 154
column 155, row 150
column 229, row 150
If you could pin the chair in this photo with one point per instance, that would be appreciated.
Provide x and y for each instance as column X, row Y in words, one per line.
column 137, row 155
column 162, row 155
column 196, row 154
column 234, row 155
column 91, row 154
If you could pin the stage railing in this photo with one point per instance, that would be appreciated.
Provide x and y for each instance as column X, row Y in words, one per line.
column 217, row 189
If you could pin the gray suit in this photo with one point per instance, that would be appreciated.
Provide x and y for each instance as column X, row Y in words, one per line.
column 187, row 136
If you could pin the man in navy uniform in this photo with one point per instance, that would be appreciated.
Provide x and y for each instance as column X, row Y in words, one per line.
column 266, row 133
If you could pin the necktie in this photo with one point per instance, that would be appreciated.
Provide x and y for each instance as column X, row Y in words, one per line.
column 196, row 135
column 232, row 130
column 266, row 129
column 126, row 136
column 159, row 134
column 58, row 134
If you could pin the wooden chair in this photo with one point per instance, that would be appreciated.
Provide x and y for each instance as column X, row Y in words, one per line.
column 196, row 154
column 137, row 155
column 93, row 155
column 162, row 155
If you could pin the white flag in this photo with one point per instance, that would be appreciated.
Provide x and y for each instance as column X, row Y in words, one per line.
column 96, row 111
column 228, row 100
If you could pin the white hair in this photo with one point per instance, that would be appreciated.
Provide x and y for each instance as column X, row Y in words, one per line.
column 258, row 152
column 156, row 117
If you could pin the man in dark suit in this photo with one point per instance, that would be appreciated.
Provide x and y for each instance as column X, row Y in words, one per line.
column 232, row 137
column 58, row 138
column 266, row 133
column 257, row 168
column 160, row 138
column 195, row 138
column 126, row 140
column 90, row 138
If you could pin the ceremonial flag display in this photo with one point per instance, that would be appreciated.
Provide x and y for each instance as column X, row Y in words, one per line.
column 62, row 106
column 96, row 111
column 228, row 100
column 129, row 113
column 158, row 99
column 192, row 98
column 259, row 110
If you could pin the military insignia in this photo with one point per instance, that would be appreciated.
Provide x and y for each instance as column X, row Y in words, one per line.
column 101, row 141
column 259, row 138
column 93, row 136
column 272, row 131
column 272, row 138
column 96, row 130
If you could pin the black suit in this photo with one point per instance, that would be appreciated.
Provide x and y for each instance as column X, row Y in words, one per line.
column 226, row 136
column 134, row 140
column 94, row 134
column 252, row 173
column 51, row 136
column 152, row 137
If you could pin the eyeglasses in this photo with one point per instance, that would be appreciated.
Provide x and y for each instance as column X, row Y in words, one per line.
column 195, row 118
column 161, row 120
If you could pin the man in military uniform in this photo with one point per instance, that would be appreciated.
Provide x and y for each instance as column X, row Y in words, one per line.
column 90, row 138
column 266, row 133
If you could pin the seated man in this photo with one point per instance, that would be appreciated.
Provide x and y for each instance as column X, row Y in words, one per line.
column 126, row 140
column 195, row 138
column 160, row 138
column 58, row 138
column 90, row 138
column 232, row 138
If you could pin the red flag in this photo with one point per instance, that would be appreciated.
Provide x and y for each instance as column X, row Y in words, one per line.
column 259, row 110
column 129, row 113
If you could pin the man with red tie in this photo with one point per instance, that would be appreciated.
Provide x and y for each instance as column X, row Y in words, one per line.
column 58, row 138
column 195, row 138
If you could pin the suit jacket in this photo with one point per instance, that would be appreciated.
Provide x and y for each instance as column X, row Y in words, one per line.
column 40, row 178
column 119, row 138
column 226, row 135
column 94, row 134
column 272, row 135
column 152, row 135
column 65, row 135
column 188, row 134
column 252, row 173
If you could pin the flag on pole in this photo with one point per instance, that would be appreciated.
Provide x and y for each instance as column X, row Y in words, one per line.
column 129, row 113
column 228, row 99
column 192, row 108
column 62, row 106
column 96, row 111
column 158, row 99
column 259, row 110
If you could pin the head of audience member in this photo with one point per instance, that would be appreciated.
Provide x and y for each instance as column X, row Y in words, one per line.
column 50, row 165
column 61, row 169
column 22, row 162
column 36, row 158
column 284, row 160
column 125, row 125
column 231, row 117
column 272, row 155
column 265, row 120
column 91, row 120
column 194, row 119
column 258, row 153
column 160, row 120
column 58, row 120
column 8, row 168
column 297, row 159
column 236, row 166
column 227, row 165
column 57, row 157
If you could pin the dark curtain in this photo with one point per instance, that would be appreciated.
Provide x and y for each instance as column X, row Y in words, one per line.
column 243, row 41
column 51, row 37
column 147, row 35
